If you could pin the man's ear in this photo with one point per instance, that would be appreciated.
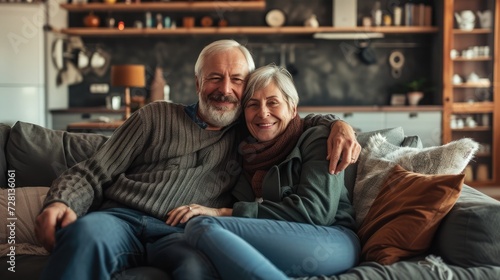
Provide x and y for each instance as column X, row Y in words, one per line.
column 294, row 111
column 197, row 83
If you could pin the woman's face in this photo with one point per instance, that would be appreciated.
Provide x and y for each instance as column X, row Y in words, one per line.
column 267, row 114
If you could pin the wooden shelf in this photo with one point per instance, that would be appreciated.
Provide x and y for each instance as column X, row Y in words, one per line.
column 87, row 110
column 248, row 30
column 470, row 108
column 474, row 31
column 329, row 109
column 481, row 58
column 472, row 129
column 168, row 6
column 472, row 85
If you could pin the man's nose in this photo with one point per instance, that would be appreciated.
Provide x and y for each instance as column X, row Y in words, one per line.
column 225, row 86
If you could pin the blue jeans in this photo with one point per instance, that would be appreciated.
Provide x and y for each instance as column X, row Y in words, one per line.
column 104, row 243
column 243, row 248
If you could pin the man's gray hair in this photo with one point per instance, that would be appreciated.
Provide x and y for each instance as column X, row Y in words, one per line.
column 222, row 46
column 279, row 76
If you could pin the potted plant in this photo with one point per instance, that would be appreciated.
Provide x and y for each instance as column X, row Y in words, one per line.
column 415, row 91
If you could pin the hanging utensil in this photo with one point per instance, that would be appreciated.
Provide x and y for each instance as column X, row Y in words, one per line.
column 291, row 67
column 283, row 56
column 366, row 53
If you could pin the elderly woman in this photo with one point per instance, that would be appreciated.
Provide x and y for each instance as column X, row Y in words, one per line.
column 292, row 217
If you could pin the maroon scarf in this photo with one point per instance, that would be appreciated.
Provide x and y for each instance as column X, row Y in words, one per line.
column 259, row 157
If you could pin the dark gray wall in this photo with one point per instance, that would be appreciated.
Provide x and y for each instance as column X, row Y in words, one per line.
column 328, row 72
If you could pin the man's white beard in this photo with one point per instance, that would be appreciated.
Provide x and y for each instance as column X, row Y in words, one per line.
column 218, row 116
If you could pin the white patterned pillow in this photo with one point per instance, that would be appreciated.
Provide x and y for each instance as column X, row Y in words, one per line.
column 380, row 156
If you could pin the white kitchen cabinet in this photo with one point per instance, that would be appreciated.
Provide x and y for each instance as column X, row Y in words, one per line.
column 22, row 103
column 360, row 121
column 427, row 125
column 364, row 121
column 22, row 81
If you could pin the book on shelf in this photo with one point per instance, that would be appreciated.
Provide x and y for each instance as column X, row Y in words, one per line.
column 417, row 14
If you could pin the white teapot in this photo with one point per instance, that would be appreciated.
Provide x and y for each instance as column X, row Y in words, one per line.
column 485, row 18
column 466, row 20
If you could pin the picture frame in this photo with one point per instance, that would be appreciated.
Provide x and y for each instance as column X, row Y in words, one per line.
column 398, row 99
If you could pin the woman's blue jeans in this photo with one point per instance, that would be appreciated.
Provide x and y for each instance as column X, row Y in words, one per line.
column 104, row 243
column 243, row 248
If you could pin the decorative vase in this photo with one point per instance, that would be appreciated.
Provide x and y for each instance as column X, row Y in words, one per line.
column 414, row 97
column 157, row 85
column 91, row 20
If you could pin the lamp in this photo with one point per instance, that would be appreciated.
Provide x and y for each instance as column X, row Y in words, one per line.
column 128, row 75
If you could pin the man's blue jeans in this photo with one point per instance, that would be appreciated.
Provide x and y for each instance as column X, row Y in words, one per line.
column 106, row 242
column 244, row 248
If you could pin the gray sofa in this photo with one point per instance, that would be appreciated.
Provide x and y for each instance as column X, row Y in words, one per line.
column 465, row 246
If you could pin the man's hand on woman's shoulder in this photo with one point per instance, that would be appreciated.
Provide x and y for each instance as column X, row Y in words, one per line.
column 343, row 147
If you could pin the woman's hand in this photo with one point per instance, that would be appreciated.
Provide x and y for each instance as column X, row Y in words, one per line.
column 182, row 214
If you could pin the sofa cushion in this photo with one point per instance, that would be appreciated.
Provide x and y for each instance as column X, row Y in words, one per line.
column 20, row 214
column 469, row 235
column 406, row 213
column 429, row 268
column 30, row 267
column 380, row 156
column 39, row 155
column 4, row 136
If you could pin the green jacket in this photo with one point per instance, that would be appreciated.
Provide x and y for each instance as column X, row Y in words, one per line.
column 300, row 189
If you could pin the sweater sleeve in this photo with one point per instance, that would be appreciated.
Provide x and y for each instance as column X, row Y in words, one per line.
column 312, row 120
column 82, row 186
column 315, row 195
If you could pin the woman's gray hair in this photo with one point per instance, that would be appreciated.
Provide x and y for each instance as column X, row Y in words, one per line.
column 279, row 76
column 222, row 46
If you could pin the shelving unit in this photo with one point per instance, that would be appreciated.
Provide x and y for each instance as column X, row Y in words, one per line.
column 250, row 30
column 204, row 6
column 472, row 108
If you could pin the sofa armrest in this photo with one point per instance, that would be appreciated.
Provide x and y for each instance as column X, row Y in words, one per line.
column 468, row 235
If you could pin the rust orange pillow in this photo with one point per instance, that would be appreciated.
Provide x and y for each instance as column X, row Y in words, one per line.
column 406, row 213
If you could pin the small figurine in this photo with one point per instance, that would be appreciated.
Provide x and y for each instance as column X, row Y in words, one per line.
column 312, row 21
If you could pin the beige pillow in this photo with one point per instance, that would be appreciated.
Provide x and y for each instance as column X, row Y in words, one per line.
column 18, row 220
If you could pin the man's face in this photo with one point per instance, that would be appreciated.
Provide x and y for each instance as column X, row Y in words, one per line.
column 223, row 82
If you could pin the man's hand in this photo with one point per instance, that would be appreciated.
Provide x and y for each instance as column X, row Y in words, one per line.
column 182, row 214
column 56, row 214
column 343, row 148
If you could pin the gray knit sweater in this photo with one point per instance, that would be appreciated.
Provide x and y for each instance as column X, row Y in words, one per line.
column 157, row 160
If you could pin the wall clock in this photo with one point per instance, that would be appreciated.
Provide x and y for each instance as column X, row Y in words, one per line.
column 275, row 18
